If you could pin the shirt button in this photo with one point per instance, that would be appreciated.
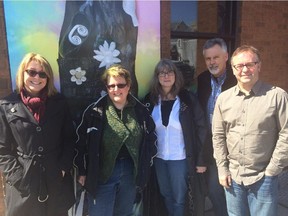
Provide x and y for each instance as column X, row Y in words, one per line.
column 40, row 149
column 38, row 129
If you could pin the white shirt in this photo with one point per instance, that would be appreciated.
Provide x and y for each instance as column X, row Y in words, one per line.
column 170, row 139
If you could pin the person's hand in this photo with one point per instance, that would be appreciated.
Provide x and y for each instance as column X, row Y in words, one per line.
column 201, row 169
column 225, row 181
column 81, row 180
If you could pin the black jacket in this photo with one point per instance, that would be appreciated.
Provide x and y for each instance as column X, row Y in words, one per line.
column 88, row 144
column 204, row 91
column 193, row 124
column 33, row 154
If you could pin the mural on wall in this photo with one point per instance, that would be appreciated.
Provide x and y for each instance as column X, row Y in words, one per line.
column 82, row 38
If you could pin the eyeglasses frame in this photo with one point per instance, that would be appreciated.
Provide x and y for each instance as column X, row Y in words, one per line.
column 33, row 73
column 119, row 85
column 245, row 65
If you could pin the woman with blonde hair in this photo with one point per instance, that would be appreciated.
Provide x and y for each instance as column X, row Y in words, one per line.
column 36, row 143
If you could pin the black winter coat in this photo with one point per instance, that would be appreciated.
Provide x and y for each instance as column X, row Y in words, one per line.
column 193, row 124
column 204, row 91
column 32, row 156
column 88, row 143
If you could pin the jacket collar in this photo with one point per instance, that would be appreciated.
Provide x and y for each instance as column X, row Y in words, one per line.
column 17, row 108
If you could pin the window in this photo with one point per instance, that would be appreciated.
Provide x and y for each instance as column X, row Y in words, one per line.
column 193, row 22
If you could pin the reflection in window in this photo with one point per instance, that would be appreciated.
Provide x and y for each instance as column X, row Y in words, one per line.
column 184, row 16
column 184, row 19
column 184, row 50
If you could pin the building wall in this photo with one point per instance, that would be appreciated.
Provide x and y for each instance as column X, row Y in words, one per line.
column 207, row 22
column 264, row 24
column 165, row 29
column 5, row 82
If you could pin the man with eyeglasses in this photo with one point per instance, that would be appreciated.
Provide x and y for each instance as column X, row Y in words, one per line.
column 250, row 138
column 217, row 78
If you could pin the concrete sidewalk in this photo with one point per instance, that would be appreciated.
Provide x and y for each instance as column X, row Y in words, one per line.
column 283, row 197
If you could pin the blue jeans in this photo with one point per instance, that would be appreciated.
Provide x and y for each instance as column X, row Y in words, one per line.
column 260, row 198
column 115, row 197
column 172, row 180
column 216, row 191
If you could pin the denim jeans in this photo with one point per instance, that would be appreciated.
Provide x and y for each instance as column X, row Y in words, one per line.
column 260, row 198
column 115, row 197
column 216, row 191
column 172, row 180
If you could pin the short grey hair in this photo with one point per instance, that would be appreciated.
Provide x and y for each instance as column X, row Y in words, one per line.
column 215, row 41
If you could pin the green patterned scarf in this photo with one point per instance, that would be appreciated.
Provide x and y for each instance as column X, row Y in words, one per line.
column 119, row 131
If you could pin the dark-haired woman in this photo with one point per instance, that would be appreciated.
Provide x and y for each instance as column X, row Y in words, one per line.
column 180, row 128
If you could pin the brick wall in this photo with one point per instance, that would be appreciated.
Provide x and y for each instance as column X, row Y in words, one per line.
column 5, row 82
column 264, row 24
column 207, row 22
column 5, row 86
column 165, row 29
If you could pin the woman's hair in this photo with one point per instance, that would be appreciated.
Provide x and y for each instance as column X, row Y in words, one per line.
column 116, row 70
column 29, row 57
column 156, row 88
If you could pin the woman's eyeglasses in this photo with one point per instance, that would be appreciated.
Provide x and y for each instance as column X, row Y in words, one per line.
column 164, row 73
column 33, row 73
column 120, row 86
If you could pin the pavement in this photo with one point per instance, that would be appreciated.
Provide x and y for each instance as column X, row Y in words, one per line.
column 282, row 203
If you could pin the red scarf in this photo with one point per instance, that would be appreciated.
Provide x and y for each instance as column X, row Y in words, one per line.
column 36, row 105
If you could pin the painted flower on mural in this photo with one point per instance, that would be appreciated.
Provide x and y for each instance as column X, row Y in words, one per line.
column 78, row 75
column 107, row 55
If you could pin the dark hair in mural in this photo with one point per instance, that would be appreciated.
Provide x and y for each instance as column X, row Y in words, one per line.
column 29, row 57
column 95, row 35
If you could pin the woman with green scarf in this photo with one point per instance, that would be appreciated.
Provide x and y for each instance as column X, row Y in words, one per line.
column 116, row 144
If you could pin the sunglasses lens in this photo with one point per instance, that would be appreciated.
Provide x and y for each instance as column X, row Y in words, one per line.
column 33, row 73
column 111, row 86
column 120, row 86
column 42, row 75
